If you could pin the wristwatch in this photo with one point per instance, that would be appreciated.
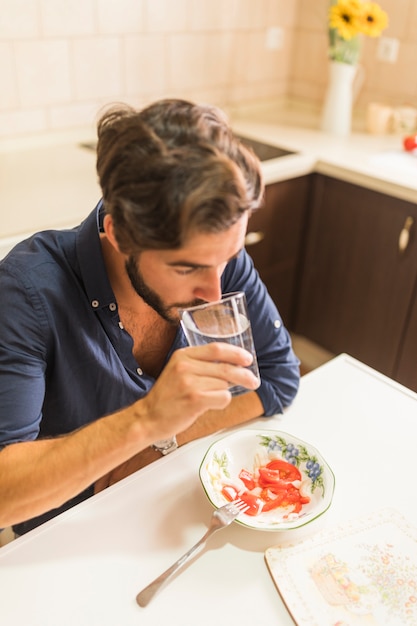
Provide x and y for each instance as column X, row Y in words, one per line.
column 165, row 446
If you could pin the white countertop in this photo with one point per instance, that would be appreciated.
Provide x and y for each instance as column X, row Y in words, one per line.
column 86, row 566
column 45, row 184
column 50, row 182
column 374, row 161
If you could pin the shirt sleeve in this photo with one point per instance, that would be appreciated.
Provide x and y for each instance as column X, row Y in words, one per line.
column 22, row 358
column 278, row 365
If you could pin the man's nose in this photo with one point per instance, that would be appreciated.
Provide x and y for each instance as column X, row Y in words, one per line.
column 210, row 287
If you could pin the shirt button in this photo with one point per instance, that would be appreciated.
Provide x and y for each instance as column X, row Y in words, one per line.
column 277, row 324
column 112, row 306
column 139, row 371
column 95, row 304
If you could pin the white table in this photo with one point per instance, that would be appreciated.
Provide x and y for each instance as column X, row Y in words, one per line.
column 85, row 567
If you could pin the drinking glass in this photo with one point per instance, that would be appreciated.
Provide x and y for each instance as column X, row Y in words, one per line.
column 226, row 320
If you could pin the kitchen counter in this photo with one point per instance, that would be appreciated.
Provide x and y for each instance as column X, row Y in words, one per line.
column 374, row 161
column 44, row 183
column 51, row 182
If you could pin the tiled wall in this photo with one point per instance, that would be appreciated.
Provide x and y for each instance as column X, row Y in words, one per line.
column 60, row 60
column 394, row 84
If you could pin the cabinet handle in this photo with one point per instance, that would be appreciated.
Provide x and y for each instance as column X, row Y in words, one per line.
column 254, row 237
column 404, row 237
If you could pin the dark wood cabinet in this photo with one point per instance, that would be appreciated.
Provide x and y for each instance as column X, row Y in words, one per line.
column 357, row 291
column 405, row 370
column 275, row 239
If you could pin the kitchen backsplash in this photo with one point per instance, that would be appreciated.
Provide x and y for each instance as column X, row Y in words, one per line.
column 382, row 81
column 60, row 61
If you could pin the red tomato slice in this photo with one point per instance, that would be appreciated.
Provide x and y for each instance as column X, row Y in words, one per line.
column 268, row 494
column 254, row 502
column 290, row 495
column 248, row 479
column 297, row 507
column 268, row 477
column 229, row 492
column 287, row 471
column 273, row 503
column 272, row 478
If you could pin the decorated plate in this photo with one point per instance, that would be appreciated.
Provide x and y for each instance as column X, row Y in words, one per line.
column 284, row 480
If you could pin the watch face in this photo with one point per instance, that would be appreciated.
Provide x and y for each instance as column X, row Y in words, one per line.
column 165, row 446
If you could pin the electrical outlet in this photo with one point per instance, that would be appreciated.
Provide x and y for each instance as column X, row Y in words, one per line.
column 387, row 50
column 274, row 38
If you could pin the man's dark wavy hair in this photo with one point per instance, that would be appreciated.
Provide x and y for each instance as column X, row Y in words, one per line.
column 173, row 168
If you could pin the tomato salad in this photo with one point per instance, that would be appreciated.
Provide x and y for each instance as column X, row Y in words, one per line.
column 276, row 484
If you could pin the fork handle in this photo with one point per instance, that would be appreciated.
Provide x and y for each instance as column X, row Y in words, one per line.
column 145, row 596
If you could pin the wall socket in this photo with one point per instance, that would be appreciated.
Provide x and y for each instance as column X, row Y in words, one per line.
column 274, row 38
column 387, row 50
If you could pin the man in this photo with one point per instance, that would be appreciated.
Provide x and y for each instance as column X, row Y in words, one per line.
column 94, row 365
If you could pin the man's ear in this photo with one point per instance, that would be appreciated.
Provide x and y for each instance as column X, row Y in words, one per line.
column 108, row 227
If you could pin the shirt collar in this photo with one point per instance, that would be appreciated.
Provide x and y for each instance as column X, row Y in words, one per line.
column 91, row 261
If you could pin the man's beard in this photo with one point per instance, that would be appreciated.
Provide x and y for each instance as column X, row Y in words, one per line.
column 152, row 299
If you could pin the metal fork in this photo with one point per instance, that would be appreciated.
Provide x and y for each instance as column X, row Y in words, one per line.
column 221, row 518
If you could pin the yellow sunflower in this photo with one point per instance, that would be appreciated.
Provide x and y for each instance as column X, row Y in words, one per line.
column 344, row 17
column 373, row 20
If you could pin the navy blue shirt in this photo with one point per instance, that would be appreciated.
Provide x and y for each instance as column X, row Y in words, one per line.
column 65, row 359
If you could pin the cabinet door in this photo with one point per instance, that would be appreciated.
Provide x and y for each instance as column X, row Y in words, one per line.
column 274, row 238
column 405, row 370
column 357, row 285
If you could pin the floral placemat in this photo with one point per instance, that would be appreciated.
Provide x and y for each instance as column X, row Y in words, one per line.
column 363, row 573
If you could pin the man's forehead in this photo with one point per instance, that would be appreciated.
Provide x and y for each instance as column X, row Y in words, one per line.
column 186, row 261
column 200, row 247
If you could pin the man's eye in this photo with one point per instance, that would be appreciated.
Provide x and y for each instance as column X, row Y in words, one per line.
column 185, row 271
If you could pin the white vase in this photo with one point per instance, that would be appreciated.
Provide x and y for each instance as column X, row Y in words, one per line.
column 337, row 111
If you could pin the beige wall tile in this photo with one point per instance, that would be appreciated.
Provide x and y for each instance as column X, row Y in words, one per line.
column 412, row 22
column 186, row 66
column 145, row 64
column 264, row 64
column 43, row 72
column 74, row 115
column 250, row 14
column 60, row 17
column 309, row 61
column 98, row 68
column 282, row 12
column 8, row 92
column 165, row 16
column 19, row 19
column 309, row 91
column 214, row 95
column 253, row 61
column 312, row 15
column 199, row 61
column 389, row 79
column 240, row 58
column 212, row 14
column 398, row 15
column 60, row 58
column 120, row 16
column 252, row 92
column 218, row 59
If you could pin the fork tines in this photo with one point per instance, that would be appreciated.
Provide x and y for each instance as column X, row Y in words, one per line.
column 238, row 505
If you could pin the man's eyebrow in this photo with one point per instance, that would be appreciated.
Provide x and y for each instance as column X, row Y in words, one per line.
column 185, row 263
column 181, row 263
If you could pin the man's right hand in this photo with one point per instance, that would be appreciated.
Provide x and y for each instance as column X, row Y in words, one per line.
column 196, row 379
